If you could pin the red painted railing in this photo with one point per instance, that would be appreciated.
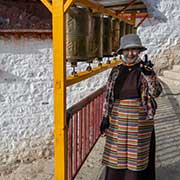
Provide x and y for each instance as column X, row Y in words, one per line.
column 84, row 119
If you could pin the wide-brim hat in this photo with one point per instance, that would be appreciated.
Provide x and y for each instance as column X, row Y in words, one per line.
column 130, row 41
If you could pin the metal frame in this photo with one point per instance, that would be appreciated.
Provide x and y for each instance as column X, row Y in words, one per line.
column 72, row 79
column 144, row 18
column 58, row 8
column 130, row 3
column 82, row 129
column 99, row 8
column 60, row 128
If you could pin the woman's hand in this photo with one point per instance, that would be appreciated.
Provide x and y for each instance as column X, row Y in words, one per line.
column 104, row 125
column 147, row 69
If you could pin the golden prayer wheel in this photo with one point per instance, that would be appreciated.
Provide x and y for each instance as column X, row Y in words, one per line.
column 122, row 28
column 115, row 34
column 107, row 36
column 78, row 24
column 96, row 39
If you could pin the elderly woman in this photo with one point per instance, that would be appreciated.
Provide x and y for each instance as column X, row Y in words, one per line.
column 129, row 108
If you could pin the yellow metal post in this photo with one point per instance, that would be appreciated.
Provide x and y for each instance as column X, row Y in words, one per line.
column 67, row 4
column 60, row 130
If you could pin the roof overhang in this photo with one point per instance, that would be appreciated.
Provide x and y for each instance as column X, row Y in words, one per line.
column 125, row 10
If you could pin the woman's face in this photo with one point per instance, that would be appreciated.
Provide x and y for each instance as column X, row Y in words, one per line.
column 131, row 54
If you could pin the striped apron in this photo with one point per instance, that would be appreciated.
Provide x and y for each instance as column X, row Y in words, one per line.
column 128, row 136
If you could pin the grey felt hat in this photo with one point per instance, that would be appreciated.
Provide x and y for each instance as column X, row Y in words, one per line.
column 130, row 41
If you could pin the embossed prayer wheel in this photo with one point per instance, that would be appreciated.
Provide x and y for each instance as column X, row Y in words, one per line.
column 96, row 39
column 122, row 28
column 128, row 28
column 78, row 24
column 107, row 36
column 115, row 34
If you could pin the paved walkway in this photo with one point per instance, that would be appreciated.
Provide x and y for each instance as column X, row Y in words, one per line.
column 168, row 134
column 167, row 126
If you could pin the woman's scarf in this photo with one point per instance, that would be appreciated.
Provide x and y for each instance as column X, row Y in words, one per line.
column 136, row 59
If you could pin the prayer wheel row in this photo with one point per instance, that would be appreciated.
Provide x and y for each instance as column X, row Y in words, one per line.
column 91, row 35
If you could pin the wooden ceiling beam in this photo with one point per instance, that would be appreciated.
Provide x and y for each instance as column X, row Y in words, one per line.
column 122, row 5
column 100, row 8
column 128, row 5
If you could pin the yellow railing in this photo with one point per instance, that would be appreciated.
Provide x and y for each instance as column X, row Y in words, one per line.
column 80, row 76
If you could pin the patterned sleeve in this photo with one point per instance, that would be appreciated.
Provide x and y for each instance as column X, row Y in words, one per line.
column 154, row 85
column 108, row 99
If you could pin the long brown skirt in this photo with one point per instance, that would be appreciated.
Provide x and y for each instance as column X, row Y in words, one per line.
column 125, row 174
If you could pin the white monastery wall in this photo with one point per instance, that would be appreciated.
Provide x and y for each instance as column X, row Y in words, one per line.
column 26, row 113
column 163, row 39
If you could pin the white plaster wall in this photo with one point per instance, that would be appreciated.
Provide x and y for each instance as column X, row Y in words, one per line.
column 163, row 39
column 26, row 113
column 86, row 87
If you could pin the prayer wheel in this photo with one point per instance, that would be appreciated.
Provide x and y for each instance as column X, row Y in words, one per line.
column 122, row 28
column 107, row 36
column 96, row 39
column 115, row 34
column 78, row 24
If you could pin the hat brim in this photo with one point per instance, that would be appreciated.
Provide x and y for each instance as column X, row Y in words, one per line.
column 129, row 46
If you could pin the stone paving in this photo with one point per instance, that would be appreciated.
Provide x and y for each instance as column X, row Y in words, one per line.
column 167, row 127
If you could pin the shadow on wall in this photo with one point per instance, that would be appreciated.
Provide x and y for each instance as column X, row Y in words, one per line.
column 155, row 15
